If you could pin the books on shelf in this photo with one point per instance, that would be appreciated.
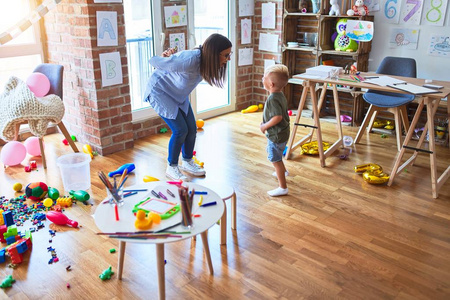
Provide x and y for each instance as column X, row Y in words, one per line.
column 323, row 71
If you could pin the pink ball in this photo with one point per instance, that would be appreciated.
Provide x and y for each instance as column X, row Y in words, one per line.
column 32, row 146
column 290, row 112
column 38, row 84
column 13, row 153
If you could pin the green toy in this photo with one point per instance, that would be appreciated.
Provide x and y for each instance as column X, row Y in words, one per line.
column 342, row 41
column 163, row 130
column 106, row 274
column 80, row 195
column 170, row 208
column 7, row 282
column 53, row 193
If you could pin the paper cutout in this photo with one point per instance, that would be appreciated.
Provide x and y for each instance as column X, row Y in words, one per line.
column 411, row 11
column 391, row 13
column 439, row 46
column 177, row 40
column 107, row 28
column 434, row 12
column 372, row 5
column 246, row 31
column 175, row 16
column 111, row 68
column 404, row 38
column 268, row 15
column 268, row 42
column 360, row 30
column 246, row 8
column 245, row 57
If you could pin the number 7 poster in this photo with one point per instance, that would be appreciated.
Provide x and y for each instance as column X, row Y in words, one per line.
column 411, row 12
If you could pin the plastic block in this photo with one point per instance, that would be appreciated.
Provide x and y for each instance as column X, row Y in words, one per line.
column 8, row 218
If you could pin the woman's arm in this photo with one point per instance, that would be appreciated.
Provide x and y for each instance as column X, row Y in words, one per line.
column 185, row 61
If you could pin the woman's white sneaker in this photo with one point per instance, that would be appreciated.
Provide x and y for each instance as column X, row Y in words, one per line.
column 189, row 166
column 174, row 173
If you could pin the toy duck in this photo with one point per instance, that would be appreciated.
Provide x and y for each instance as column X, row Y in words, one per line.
column 142, row 222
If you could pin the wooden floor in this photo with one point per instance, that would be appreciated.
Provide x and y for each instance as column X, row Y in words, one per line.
column 334, row 236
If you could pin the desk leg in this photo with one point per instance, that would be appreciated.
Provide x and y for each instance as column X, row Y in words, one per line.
column 317, row 124
column 161, row 271
column 204, row 236
column 223, row 226
column 301, row 104
column 338, row 112
column 431, row 110
column 121, row 259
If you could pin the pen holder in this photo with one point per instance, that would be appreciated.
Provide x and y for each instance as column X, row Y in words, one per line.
column 186, row 208
column 115, row 196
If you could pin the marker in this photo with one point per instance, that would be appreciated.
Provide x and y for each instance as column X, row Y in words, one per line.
column 209, row 204
column 200, row 201
column 200, row 193
column 344, row 79
column 129, row 194
column 155, row 194
column 162, row 195
column 116, row 211
column 139, row 190
column 170, row 193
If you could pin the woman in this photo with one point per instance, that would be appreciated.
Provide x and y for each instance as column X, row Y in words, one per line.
column 176, row 75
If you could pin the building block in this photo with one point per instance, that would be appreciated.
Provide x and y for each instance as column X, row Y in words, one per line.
column 22, row 247
column 8, row 218
column 3, row 229
column 10, row 240
column 16, row 257
column 11, row 231
column 2, row 255
column 2, row 222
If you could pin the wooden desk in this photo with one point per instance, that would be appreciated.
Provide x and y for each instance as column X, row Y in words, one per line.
column 430, row 100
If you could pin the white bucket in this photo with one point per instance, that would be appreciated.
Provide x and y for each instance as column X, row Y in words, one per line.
column 75, row 171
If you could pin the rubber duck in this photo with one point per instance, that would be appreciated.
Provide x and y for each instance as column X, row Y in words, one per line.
column 143, row 222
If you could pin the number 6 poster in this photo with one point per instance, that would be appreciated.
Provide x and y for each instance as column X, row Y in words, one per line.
column 411, row 12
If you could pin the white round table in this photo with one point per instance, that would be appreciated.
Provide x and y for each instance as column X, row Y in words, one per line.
column 106, row 221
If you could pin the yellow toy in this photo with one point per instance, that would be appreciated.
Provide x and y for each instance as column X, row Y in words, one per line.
column 260, row 106
column 201, row 164
column 200, row 123
column 250, row 109
column 143, row 222
column 150, row 178
column 367, row 167
column 88, row 150
column 17, row 187
column 48, row 202
column 312, row 148
column 64, row 201
column 376, row 177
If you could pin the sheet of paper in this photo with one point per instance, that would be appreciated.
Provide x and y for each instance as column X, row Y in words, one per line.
column 268, row 42
column 246, row 8
column 384, row 81
column 268, row 15
column 175, row 16
column 111, row 68
column 245, row 57
column 414, row 89
column 107, row 28
column 246, row 31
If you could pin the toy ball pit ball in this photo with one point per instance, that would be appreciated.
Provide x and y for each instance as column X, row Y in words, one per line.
column 38, row 84
column 200, row 123
column 260, row 106
column 17, row 187
column 36, row 191
column 290, row 112
column 48, row 202
column 32, row 146
column 13, row 153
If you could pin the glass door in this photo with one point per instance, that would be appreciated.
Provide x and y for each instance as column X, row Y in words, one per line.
column 206, row 17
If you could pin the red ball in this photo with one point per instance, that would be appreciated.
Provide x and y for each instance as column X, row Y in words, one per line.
column 290, row 112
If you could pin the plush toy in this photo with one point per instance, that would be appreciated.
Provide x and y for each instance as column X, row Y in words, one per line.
column 335, row 9
column 303, row 6
column 359, row 9
column 342, row 41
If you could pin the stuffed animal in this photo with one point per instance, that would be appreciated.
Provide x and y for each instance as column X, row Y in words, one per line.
column 335, row 9
column 359, row 9
column 303, row 6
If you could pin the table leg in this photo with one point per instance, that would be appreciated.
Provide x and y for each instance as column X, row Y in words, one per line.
column 337, row 108
column 317, row 124
column 161, row 271
column 233, row 211
column 223, row 226
column 122, row 245
column 290, row 145
column 204, row 236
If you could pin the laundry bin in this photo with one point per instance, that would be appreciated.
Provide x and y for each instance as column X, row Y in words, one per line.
column 75, row 171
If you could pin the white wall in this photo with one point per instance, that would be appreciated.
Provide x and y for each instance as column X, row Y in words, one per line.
column 428, row 67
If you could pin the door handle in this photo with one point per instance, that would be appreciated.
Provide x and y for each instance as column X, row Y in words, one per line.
column 163, row 39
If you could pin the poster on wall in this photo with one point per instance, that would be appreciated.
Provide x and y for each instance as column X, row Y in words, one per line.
column 434, row 13
column 391, row 11
column 404, row 38
column 268, row 42
column 268, row 63
column 411, row 11
column 107, row 1
column 245, row 57
column 111, row 68
column 107, row 28
column 246, row 31
column 361, row 31
column 372, row 5
column 439, row 46
column 246, row 8
column 268, row 15
column 175, row 16
column 177, row 40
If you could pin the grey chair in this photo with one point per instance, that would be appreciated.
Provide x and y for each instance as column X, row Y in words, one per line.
column 386, row 101
column 55, row 75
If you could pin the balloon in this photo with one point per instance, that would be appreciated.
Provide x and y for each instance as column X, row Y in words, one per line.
column 88, row 150
column 375, row 177
column 367, row 167
column 32, row 146
column 38, row 84
column 312, row 148
column 13, row 153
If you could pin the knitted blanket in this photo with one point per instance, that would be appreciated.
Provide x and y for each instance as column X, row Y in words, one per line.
column 18, row 104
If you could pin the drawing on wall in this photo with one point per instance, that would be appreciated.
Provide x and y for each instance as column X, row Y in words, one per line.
column 439, row 46
column 245, row 57
column 175, row 16
column 434, row 12
column 404, row 38
column 372, row 5
column 360, row 30
column 111, row 68
column 246, row 8
column 107, row 28
column 391, row 11
column 107, row 1
column 268, row 42
column 246, row 31
column 177, row 40
column 268, row 63
column 411, row 11
column 268, row 15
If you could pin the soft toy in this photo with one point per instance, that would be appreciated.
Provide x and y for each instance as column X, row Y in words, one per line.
column 335, row 9
column 359, row 9
column 303, row 6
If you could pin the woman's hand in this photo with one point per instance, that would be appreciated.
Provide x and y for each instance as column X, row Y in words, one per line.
column 169, row 52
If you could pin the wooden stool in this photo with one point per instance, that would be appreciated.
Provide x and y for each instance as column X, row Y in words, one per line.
column 225, row 192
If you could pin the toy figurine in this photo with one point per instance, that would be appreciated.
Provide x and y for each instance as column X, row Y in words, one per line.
column 335, row 9
column 61, row 219
column 80, row 195
column 7, row 282
column 359, row 9
column 106, row 274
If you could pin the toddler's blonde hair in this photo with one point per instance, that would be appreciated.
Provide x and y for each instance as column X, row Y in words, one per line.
column 279, row 75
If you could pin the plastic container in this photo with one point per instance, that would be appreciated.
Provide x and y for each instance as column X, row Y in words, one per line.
column 75, row 171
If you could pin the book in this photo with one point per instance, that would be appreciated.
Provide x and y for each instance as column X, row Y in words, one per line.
column 323, row 71
column 384, row 80
column 413, row 89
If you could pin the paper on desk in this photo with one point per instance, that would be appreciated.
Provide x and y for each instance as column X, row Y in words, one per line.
column 307, row 76
column 384, row 81
column 414, row 89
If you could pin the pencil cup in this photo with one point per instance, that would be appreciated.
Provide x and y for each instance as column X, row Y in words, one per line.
column 186, row 216
column 115, row 196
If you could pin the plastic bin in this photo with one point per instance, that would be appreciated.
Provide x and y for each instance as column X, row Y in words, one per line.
column 75, row 171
